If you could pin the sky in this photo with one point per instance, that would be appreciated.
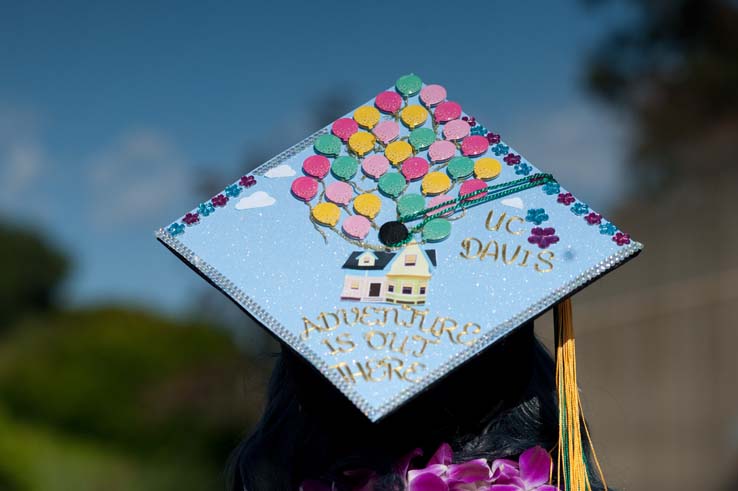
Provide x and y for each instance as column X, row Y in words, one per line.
column 116, row 118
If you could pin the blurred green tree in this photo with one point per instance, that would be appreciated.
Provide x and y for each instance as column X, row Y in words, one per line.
column 674, row 68
column 32, row 273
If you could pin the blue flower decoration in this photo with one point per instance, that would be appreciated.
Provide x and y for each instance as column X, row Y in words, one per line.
column 608, row 229
column 551, row 188
column 500, row 149
column 205, row 209
column 536, row 215
column 233, row 190
column 523, row 169
column 579, row 208
column 176, row 228
column 479, row 130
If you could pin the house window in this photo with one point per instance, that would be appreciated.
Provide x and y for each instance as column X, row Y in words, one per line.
column 391, row 288
column 407, row 290
column 411, row 259
column 354, row 284
column 422, row 290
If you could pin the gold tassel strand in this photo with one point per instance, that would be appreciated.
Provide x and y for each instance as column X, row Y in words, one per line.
column 571, row 469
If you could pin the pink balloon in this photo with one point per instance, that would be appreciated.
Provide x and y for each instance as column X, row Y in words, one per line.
column 375, row 165
column 456, row 130
column 305, row 188
column 386, row 131
column 339, row 192
column 414, row 168
column 441, row 151
column 343, row 128
column 388, row 102
column 432, row 94
column 437, row 200
column 316, row 166
column 357, row 226
column 447, row 111
column 473, row 185
column 474, row 145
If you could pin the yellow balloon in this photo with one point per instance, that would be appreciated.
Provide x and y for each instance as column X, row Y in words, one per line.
column 362, row 142
column 414, row 116
column 367, row 204
column 326, row 214
column 398, row 151
column 367, row 116
column 487, row 168
column 435, row 183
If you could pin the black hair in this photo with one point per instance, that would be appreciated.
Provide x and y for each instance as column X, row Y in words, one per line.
column 496, row 405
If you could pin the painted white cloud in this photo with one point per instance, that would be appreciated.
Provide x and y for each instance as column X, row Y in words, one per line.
column 283, row 170
column 513, row 202
column 259, row 199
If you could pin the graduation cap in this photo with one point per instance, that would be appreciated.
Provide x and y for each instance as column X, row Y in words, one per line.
column 400, row 241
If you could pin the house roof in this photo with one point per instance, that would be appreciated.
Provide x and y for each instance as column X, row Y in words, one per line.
column 383, row 259
column 431, row 253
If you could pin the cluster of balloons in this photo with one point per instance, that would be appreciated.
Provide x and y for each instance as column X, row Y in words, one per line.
column 438, row 153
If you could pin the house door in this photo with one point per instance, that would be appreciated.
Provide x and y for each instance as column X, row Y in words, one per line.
column 374, row 289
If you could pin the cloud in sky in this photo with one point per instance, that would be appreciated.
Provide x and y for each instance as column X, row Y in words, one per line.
column 21, row 152
column 582, row 145
column 259, row 199
column 283, row 170
column 138, row 177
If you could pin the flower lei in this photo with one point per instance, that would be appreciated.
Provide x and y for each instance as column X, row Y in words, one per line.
column 530, row 473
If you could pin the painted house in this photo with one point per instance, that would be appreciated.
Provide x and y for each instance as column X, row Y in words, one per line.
column 391, row 277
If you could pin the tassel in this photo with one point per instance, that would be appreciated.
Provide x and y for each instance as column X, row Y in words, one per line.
column 571, row 468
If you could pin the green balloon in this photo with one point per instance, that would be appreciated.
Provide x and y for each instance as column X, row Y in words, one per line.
column 459, row 167
column 410, row 204
column 422, row 138
column 328, row 145
column 344, row 167
column 437, row 229
column 392, row 184
column 409, row 85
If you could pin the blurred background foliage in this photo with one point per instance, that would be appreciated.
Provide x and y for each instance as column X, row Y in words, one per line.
column 112, row 397
column 116, row 397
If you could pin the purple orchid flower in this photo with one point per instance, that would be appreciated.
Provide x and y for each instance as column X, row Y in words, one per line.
column 441, row 475
column 534, row 468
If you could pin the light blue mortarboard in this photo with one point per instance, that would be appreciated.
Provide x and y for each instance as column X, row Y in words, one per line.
column 394, row 244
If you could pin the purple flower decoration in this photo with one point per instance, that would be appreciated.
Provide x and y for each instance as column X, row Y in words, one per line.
column 247, row 181
column 543, row 237
column 608, row 228
column 219, row 200
column 512, row 159
column 191, row 218
column 470, row 119
column 565, row 199
column 621, row 238
column 493, row 138
column 593, row 218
